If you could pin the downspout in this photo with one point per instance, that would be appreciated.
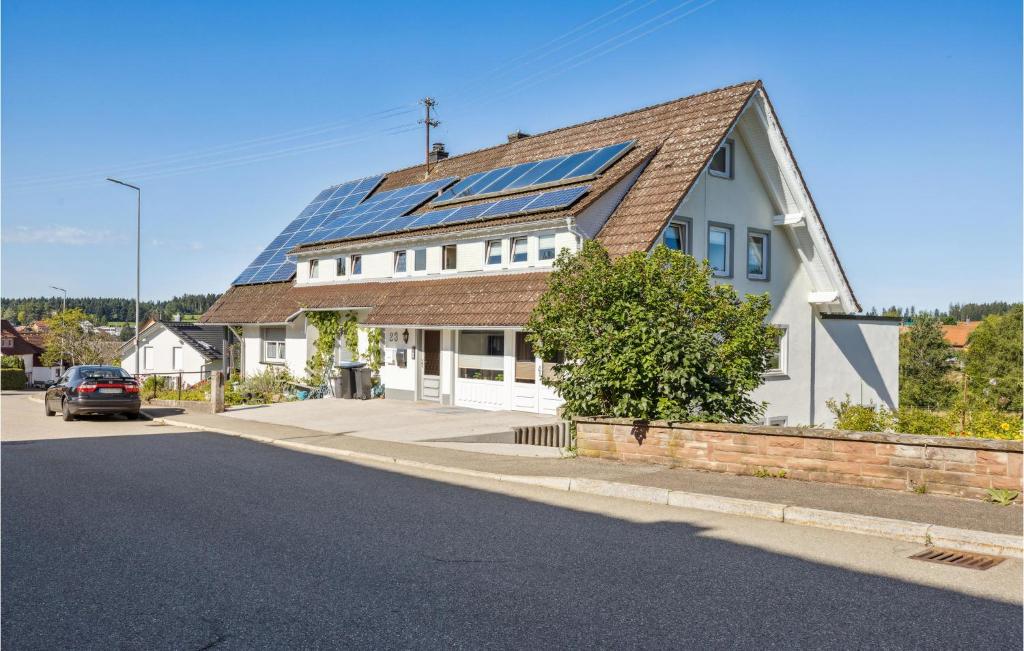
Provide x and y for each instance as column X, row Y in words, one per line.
column 814, row 380
column 570, row 225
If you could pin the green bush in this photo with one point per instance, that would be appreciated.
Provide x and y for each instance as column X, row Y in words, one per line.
column 861, row 418
column 13, row 379
column 265, row 386
column 12, row 361
column 992, row 424
column 911, row 420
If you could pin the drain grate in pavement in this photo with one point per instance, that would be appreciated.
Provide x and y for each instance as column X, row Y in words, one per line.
column 960, row 559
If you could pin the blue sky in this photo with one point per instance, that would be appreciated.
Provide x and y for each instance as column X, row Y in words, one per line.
column 905, row 117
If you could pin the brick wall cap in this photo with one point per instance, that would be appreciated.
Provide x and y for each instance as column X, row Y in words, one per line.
column 820, row 433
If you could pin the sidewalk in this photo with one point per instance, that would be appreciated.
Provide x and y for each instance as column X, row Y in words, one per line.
column 643, row 482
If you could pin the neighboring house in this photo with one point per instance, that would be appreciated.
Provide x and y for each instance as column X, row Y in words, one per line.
column 959, row 335
column 174, row 348
column 450, row 262
column 29, row 347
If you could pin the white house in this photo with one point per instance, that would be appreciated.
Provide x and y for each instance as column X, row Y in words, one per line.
column 449, row 260
column 175, row 348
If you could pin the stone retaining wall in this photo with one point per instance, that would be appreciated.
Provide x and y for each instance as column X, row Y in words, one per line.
column 944, row 465
column 199, row 406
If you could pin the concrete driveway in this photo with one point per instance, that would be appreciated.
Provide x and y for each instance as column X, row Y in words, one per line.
column 423, row 423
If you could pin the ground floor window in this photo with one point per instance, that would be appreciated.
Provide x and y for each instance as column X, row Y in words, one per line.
column 147, row 358
column 273, row 345
column 482, row 355
column 777, row 362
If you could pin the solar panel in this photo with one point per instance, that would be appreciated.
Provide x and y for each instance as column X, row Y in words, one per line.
column 271, row 264
column 561, row 169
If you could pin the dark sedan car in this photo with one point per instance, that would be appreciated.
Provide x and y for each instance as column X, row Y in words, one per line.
column 93, row 390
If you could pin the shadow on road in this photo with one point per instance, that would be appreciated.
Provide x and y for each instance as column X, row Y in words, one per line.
column 189, row 539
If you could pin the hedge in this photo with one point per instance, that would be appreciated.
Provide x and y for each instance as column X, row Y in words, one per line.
column 12, row 378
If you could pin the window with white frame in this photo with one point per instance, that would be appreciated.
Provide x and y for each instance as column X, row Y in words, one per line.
column 493, row 254
column 778, row 361
column 314, row 268
column 400, row 262
column 273, row 345
column 147, row 358
column 176, row 363
column 720, row 249
column 677, row 235
column 546, row 247
column 520, row 249
column 340, row 268
column 449, row 257
column 758, row 252
column 419, row 260
column 481, row 355
column 721, row 162
column 357, row 264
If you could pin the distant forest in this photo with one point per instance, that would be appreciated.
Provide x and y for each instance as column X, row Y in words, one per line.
column 956, row 312
column 102, row 311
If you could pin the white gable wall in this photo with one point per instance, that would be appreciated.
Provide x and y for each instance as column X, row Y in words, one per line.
column 163, row 341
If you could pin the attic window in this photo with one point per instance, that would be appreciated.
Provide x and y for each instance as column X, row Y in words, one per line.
column 721, row 162
column 314, row 268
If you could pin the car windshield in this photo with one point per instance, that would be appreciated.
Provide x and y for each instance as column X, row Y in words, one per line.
column 100, row 373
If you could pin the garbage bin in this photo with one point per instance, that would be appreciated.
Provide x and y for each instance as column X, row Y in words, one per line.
column 344, row 383
column 363, row 383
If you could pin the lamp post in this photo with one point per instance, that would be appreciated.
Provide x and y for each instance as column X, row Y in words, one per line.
column 63, row 309
column 138, row 260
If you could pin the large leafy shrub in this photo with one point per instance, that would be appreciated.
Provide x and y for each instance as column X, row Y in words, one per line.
column 651, row 337
column 995, row 361
column 12, row 361
column 266, row 385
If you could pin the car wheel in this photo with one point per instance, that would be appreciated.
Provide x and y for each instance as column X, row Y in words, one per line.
column 66, row 411
column 46, row 408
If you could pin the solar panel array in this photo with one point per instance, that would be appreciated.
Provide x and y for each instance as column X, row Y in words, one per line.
column 523, row 205
column 337, row 213
column 515, row 178
column 271, row 265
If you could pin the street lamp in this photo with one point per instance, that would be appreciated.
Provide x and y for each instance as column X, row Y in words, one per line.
column 63, row 309
column 138, row 260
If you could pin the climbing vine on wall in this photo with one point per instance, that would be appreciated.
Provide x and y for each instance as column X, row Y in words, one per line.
column 374, row 351
column 328, row 326
column 350, row 331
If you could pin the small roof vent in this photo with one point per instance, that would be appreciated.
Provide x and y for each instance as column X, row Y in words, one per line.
column 437, row 152
column 517, row 135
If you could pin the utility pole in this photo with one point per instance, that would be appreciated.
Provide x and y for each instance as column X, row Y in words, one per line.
column 138, row 260
column 428, row 103
column 63, row 309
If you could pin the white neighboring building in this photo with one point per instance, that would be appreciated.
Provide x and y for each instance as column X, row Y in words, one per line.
column 452, row 280
column 173, row 348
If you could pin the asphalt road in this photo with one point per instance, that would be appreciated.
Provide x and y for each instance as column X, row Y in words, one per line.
column 199, row 541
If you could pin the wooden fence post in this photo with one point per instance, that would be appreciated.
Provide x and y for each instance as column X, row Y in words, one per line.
column 217, row 391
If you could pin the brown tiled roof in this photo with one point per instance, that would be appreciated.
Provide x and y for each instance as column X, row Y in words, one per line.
column 682, row 135
column 958, row 335
column 476, row 301
column 19, row 345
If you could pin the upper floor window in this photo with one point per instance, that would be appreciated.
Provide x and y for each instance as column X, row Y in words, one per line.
column 758, row 250
column 519, row 250
column 449, row 257
column 314, row 268
column 400, row 262
column 546, row 247
column 357, row 265
column 721, row 162
column 340, row 271
column 419, row 260
column 720, row 249
column 677, row 235
column 493, row 255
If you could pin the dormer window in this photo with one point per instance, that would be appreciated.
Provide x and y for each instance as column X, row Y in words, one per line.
column 519, row 250
column 449, row 257
column 399, row 262
column 493, row 257
column 340, row 271
column 314, row 269
column 357, row 265
column 721, row 162
column 677, row 235
column 546, row 247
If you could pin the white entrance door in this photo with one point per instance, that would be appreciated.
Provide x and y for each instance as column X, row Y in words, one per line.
column 430, row 379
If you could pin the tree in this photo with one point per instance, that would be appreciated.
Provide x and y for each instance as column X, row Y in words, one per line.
column 651, row 337
column 66, row 341
column 127, row 333
column 925, row 364
column 995, row 360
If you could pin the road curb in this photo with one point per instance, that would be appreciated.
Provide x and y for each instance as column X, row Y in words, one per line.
column 903, row 530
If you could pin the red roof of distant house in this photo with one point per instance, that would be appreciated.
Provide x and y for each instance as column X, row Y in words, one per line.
column 958, row 335
column 14, row 343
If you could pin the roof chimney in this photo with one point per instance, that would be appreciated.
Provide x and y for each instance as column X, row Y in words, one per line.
column 517, row 135
column 437, row 152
